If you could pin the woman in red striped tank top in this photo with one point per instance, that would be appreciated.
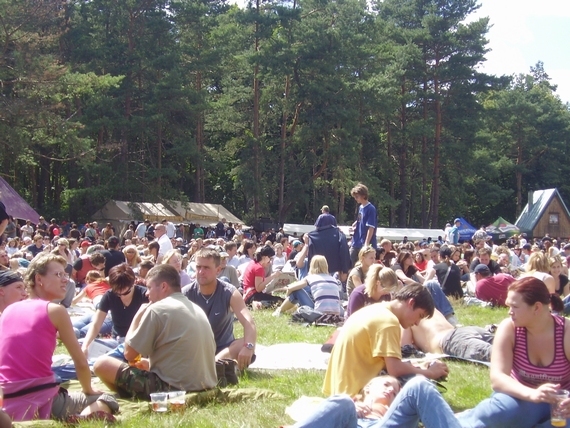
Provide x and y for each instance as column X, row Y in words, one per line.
column 529, row 361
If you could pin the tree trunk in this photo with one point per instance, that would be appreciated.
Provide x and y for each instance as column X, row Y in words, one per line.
column 392, row 189
column 283, row 147
column 518, row 174
column 424, row 160
column 436, row 149
column 403, row 164
column 199, row 185
column 256, row 157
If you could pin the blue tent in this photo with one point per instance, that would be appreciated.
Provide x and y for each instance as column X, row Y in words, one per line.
column 466, row 230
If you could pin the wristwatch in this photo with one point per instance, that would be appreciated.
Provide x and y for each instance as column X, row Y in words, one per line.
column 250, row 346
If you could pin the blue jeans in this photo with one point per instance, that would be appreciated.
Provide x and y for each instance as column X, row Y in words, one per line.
column 504, row 411
column 418, row 400
column 81, row 326
column 441, row 302
column 302, row 297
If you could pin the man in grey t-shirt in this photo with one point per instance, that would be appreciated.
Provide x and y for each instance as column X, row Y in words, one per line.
column 169, row 346
column 220, row 301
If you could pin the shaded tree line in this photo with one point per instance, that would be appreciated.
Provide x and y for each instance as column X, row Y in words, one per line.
column 273, row 109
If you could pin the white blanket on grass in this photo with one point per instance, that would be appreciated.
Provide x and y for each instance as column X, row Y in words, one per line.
column 290, row 356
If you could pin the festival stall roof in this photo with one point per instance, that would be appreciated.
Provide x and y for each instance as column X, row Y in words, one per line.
column 15, row 204
column 501, row 229
column 545, row 213
column 207, row 213
column 122, row 211
column 393, row 234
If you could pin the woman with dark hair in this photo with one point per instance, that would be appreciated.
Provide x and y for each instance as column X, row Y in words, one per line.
column 405, row 269
column 123, row 300
column 28, row 330
column 254, row 280
column 246, row 251
column 419, row 260
column 448, row 274
column 153, row 249
column 529, row 361
column 408, row 274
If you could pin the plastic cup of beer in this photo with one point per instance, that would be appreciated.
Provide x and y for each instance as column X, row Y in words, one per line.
column 557, row 418
column 177, row 401
column 158, row 401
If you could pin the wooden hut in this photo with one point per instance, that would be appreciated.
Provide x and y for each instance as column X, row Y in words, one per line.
column 545, row 213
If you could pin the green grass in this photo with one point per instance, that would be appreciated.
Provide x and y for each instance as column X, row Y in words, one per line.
column 467, row 384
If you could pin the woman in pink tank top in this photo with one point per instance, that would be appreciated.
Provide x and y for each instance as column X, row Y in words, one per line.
column 529, row 361
column 28, row 330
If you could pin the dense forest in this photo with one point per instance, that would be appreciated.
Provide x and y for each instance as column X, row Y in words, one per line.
column 273, row 109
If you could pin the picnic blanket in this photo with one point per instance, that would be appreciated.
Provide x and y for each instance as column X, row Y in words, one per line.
column 290, row 356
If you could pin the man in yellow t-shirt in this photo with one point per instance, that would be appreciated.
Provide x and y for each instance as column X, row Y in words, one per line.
column 370, row 342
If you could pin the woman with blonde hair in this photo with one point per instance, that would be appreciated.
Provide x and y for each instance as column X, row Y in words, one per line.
column 62, row 250
column 318, row 290
column 384, row 403
column 560, row 280
column 366, row 258
column 280, row 258
column 538, row 267
column 174, row 259
column 28, row 329
column 379, row 284
column 132, row 256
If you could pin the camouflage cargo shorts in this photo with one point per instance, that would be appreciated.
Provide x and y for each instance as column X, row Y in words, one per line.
column 133, row 382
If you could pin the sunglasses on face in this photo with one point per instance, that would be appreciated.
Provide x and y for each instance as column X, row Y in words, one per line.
column 124, row 293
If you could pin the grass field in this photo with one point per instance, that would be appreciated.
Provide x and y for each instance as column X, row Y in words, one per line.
column 467, row 384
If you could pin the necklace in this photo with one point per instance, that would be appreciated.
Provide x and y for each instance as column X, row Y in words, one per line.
column 209, row 296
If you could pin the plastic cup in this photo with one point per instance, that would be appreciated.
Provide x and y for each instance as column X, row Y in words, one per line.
column 557, row 418
column 159, row 401
column 177, row 401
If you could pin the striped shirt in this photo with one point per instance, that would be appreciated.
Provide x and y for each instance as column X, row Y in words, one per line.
column 325, row 291
column 533, row 376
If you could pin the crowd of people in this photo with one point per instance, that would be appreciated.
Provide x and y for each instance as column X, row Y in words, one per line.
column 167, row 296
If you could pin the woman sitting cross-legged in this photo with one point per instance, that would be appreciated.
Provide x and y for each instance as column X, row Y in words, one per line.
column 123, row 300
column 28, row 330
column 529, row 361
column 254, row 279
column 318, row 290
column 382, row 403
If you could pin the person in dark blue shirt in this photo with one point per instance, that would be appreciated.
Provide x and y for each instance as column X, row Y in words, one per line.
column 325, row 219
column 365, row 225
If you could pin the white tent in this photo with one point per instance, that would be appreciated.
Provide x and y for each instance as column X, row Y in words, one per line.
column 393, row 234
column 203, row 213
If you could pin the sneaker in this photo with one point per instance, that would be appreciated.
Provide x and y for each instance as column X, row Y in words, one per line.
column 220, row 374
column 110, row 401
column 231, row 372
column 227, row 372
